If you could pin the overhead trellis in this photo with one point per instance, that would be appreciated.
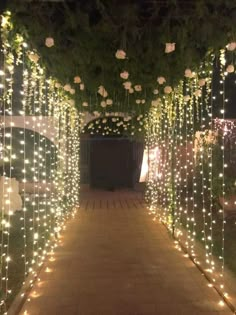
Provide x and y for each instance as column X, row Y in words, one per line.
column 86, row 35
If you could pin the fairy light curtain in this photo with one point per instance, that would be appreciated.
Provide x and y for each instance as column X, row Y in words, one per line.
column 39, row 162
column 191, row 190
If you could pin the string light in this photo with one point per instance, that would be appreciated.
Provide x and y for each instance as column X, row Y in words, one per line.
column 184, row 130
column 47, row 169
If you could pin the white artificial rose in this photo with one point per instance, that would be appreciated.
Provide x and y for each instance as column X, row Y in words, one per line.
column 72, row 91
column 131, row 90
column 67, row 87
column 167, row 89
column 127, row 85
column 169, row 47
column 49, row 42
column 124, row 75
column 143, row 101
column 85, row 104
column 198, row 93
column 103, row 104
column 120, row 54
column 57, row 85
column 188, row 73
column 72, row 102
column 109, row 101
column 230, row 68
column 201, row 82
column 186, row 98
column 161, row 80
column 81, row 86
column 77, row 79
column 138, row 101
column 33, row 57
column 155, row 103
column 155, row 91
column 231, row 46
column 138, row 88
column 102, row 91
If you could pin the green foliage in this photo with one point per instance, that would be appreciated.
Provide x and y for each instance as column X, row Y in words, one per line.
column 88, row 33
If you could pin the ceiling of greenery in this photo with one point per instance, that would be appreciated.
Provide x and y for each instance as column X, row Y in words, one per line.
column 88, row 33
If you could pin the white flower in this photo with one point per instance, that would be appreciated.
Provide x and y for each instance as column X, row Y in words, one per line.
column 72, row 102
column 138, row 101
column 57, row 85
column 230, row 68
column 188, row 73
column 77, row 79
column 33, row 57
column 138, row 88
column 109, row 101
column 72, row 91
column 81, row 86
column 127, row 85
column 103, row 104
column 120, row 54
column 167, row 89
column 49, row 42
column 161, row 80
column 169, row 47
column 67, row 87
column 85, row 104
column 131, row 90
column 124, row 75
column 198, row 93
column 155, row 91
column 143, row 101
column 231, row 46
column 201, row 82
column 156, row 102
column 186, row 98
column 102, row 91
column 96, row 113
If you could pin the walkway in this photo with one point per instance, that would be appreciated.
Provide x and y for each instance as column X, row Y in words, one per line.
column 114, row 260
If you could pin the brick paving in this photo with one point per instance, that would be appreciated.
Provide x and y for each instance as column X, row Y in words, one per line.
column 114, row 260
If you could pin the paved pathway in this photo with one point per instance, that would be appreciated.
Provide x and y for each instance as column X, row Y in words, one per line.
column 114, row 260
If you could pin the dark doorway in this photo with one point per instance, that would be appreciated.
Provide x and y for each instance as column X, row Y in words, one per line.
column 115, row 162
